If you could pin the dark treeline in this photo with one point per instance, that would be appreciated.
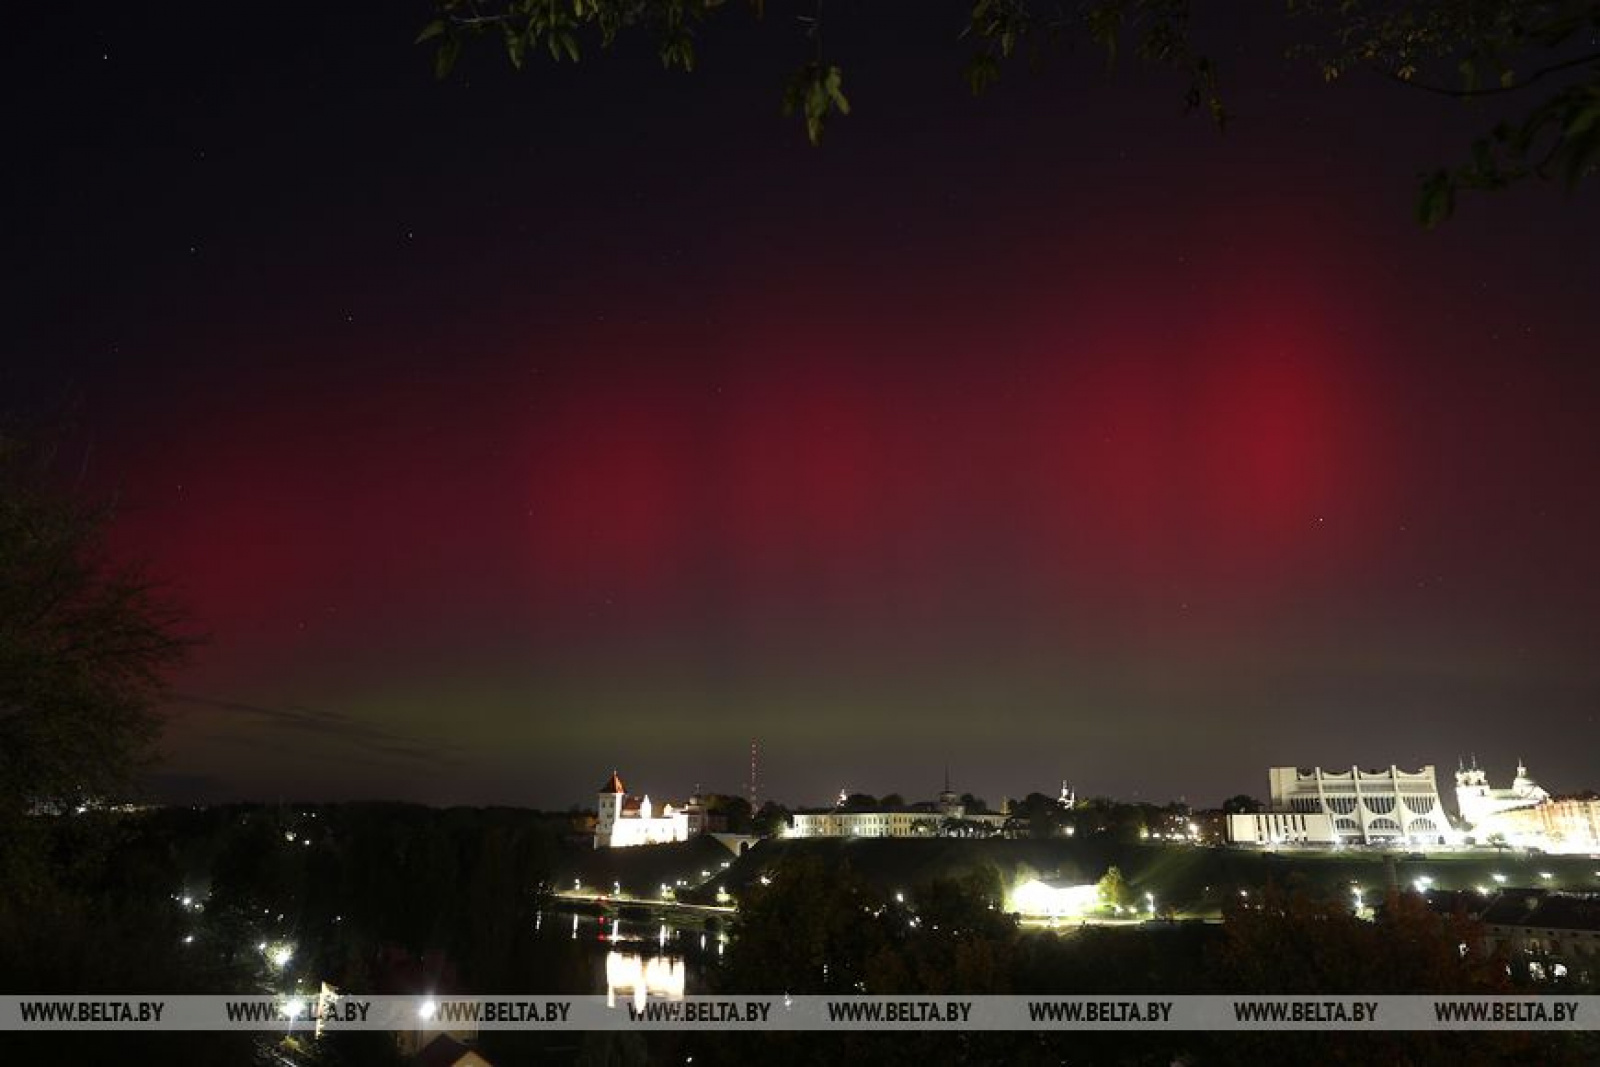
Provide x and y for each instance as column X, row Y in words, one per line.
column 368, row 897
column 337, row 882
column 400, row 898
column 818, row 928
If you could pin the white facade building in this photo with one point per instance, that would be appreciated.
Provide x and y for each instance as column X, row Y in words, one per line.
column 1376, row 807
column 918, row 820
column 1268, row 828
column 1373, row 807
column 837, row 823
column 1525, row 815
column 1570, row 825
column 1479, row 803
column 623, row 821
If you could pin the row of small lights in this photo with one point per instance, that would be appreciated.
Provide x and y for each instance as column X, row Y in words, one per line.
column 665, row 889
column 1422, row 884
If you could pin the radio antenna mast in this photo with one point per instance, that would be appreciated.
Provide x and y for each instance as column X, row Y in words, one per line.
column 752, row 775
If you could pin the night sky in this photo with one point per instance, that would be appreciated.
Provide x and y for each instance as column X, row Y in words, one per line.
column 502, row 431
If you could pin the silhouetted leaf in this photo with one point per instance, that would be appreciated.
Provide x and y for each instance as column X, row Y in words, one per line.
column 444, row 60
column 1436, row 201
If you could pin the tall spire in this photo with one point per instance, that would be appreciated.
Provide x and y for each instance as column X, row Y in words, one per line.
column 752, row 775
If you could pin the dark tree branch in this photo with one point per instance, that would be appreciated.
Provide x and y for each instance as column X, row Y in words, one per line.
column 1494, row 90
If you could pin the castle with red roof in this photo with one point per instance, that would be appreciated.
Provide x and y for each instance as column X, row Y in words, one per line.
column 623, row 820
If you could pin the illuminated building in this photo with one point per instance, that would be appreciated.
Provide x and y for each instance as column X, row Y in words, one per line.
column 1525, row 815
column 1375, row 807
column 1054, row 898
column 1566, row 824
column 914, row 820
column 1479, row 803
column 623, row 821
column 1282, row 828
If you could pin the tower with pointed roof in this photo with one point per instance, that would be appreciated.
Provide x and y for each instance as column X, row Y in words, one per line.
column 622, row 820
column 1481, row 805
column 608, row 809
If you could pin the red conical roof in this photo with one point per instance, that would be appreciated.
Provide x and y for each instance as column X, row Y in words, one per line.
column 613, row 785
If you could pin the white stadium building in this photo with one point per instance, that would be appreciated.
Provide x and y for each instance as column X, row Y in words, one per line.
column 1369, row 807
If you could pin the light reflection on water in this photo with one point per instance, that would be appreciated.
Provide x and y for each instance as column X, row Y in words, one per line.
column 643, row 977
column 642, row 959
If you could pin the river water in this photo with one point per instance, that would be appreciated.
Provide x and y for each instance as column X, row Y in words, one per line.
column 639, row 958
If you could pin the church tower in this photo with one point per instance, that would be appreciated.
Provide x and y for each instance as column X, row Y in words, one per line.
column 950, row 805
column 608, row 809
